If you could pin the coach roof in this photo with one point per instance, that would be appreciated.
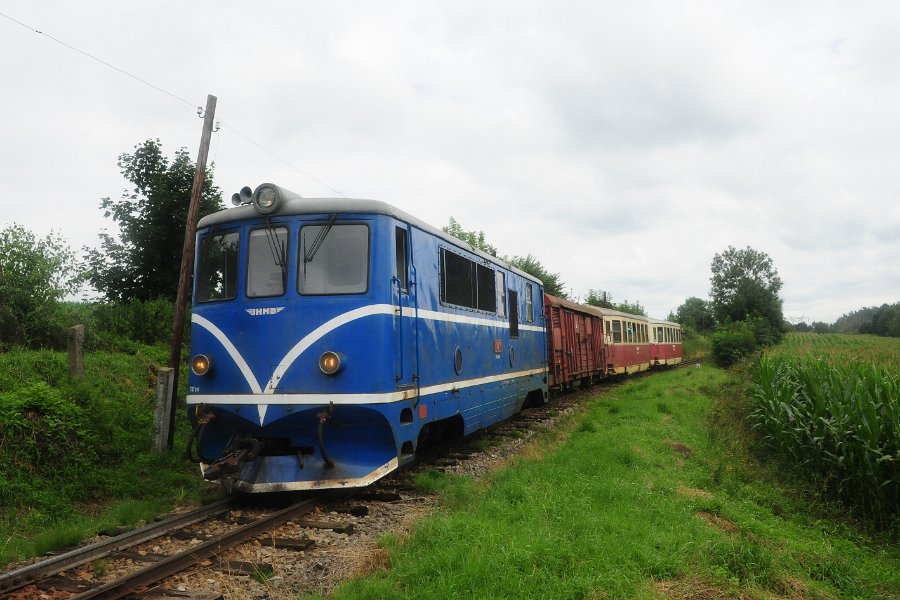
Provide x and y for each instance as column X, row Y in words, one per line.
column 294, row 204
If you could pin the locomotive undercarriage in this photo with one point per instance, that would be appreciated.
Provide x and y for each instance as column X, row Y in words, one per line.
column 323, row 446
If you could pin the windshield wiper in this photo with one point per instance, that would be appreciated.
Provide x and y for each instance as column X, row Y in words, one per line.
column 310, row 254
column 279, row 253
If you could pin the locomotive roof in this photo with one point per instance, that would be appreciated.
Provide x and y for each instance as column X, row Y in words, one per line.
column 293, row 204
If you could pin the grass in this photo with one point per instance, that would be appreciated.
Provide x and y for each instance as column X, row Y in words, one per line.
column 75, row 453
column 637, row 498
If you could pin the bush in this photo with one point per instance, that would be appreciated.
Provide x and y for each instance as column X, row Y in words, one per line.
column 732, row 342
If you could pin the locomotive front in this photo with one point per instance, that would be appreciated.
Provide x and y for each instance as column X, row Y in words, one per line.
column 293, row 369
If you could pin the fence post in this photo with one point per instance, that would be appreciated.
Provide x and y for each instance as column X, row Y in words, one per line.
column 164, row 380
column 76, row 351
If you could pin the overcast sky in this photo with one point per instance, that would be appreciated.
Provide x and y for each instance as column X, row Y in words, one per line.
column 622, row 143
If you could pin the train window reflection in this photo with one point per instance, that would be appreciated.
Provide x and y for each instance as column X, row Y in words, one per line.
column 333, row 259
column 217, row 267
column 267, row 262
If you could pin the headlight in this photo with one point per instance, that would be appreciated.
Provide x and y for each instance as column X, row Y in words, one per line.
column 201, row 364
column 330, row 362
column 265, row 199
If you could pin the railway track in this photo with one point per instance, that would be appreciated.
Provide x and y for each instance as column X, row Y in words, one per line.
column 41, row 577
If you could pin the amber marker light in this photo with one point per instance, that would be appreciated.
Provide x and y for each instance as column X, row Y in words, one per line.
column 330, row 362
column 200, row 364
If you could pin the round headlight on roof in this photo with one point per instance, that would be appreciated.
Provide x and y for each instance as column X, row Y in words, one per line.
column 265, row 199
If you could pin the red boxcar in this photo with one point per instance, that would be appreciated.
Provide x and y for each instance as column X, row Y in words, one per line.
column 575, row 343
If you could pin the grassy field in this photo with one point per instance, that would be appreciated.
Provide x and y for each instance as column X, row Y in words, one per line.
column 644, row 494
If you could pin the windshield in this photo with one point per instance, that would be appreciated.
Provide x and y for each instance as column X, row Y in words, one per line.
column 336, row 259
column 266, row 257
column 217, row 267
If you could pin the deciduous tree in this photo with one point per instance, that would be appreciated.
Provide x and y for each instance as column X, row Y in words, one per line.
column 696, row 314
column 143, row 260
column 745, row 283
column 35, row 274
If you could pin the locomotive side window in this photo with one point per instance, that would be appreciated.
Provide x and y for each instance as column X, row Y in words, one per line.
column 458, row 281
column 400, row 247
column 267, row 262
column 513, row 314
column 466, row 283
column 501, row 294
column 334, row 259
column 617, row 332
column 487, row 299
column 529, row 303
column 217, row 267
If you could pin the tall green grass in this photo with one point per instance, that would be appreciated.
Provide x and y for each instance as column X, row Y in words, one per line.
column 839, row 424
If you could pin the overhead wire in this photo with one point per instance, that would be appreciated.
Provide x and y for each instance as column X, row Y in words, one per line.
column 227, row 125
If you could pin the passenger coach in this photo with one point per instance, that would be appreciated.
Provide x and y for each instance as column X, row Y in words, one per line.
column 330, row 337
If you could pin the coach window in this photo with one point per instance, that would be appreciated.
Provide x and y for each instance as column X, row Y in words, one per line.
column 267, row 262
column 334, row 259
column 501, row 294
column 529, row 303
column 608, row 334
column 400, row 252
column 217, row 267
column 617, row 332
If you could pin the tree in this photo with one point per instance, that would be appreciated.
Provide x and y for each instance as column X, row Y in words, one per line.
column 474, row 238
column 599, row 298
column 696, row 314
column 553, row 285
column 143, row 262
column 745, row 284
column 35, row 274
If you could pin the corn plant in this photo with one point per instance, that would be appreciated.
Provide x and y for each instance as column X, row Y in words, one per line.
column 839, row 424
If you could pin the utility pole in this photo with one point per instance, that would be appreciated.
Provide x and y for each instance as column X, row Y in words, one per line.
column 187, row 260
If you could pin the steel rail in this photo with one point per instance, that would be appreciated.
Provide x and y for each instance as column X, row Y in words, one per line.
column 57, row 564
column 179, row 562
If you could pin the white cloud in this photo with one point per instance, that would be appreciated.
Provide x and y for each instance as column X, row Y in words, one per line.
column 624, row 144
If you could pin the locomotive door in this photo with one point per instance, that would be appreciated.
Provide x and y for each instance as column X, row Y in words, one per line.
column 403, row 296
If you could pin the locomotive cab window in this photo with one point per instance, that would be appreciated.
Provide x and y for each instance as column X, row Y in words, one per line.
column 217, row 267
column 334, row 259
column 267, row 262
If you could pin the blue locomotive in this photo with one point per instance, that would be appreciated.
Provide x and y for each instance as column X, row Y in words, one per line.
column 331, row 337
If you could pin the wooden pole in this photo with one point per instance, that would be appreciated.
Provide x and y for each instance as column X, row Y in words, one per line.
column 187, row 261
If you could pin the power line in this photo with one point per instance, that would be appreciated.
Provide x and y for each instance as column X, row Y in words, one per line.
column 99, row 60
column 247, row 138
column 278, row 157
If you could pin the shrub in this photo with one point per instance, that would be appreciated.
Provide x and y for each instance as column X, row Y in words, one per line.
column 732, row 342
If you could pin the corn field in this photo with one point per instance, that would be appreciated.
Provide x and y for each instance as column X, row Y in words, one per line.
column 838, row 423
